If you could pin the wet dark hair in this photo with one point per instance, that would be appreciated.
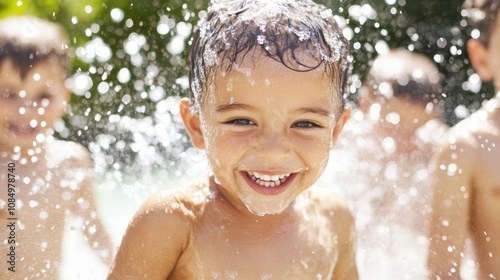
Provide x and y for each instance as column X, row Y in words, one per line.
column 411, row 76
column 301, row 35
column 482, row 15
column 28, row 41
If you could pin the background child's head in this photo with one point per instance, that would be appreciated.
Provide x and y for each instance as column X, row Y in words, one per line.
column 403, row 76
column 28, row 40
column 484, row 46
column 301, row 35
column 33, row 69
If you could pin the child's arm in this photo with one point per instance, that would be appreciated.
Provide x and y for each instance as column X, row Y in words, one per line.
column 85, row 207
column 154, row 241
column 452, row 192
column 94, row 230
column 346, row 265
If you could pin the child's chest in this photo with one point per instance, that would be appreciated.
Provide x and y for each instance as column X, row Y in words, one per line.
column 485, row 175
column 35, row 200
column 296, row 251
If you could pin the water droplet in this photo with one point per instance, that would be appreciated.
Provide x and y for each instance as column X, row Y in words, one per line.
column 33, row 203
column 43, row 215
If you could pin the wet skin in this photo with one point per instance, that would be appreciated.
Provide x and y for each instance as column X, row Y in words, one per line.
column 467, row 186
column 467, row 196
column 47, row 192
column 30, row 105
column 53, row 178
column 263, row 125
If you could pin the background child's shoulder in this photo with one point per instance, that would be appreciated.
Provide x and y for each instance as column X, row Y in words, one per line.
column 64, row 153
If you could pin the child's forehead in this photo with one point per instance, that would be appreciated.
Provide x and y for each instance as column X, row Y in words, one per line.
column 43, row 75
column 39, row 68
column 265, row 78
column 257, row 68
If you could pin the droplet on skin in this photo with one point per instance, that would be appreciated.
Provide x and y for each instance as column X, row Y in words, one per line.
column 445, row 223
column 33, row 203
column 43, row 245
column 43, row 215
column 66, row 196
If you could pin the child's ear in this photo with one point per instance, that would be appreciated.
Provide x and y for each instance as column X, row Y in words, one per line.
column 192, row 124
column 346, row 114
column 478, row 55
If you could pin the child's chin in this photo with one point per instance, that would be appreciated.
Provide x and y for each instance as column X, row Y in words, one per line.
column 261, row 208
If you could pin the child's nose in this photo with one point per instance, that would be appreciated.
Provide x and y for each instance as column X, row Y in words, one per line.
column 273, row 146
column 30, row 107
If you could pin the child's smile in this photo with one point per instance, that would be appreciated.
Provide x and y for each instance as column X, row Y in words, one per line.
column 267, row 133
column 269, row 184
column 23, row 130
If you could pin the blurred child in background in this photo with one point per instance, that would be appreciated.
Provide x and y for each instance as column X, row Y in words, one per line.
column 49, row 179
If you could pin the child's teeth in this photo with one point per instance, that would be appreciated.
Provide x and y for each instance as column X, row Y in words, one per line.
column 268, row 180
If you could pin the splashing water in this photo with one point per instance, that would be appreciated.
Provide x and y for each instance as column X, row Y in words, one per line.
column 131, row 69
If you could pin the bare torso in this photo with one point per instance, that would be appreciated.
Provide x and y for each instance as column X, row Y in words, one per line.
column 45, row 191
column 485, row 198
column 467, row 196
column 310, row 240
column 225, row 246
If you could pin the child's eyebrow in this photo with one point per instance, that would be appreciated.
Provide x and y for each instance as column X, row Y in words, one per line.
column 315, row 110
column 304, row 110
column 233, row 106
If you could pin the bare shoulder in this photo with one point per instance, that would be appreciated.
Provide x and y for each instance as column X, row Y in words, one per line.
column 67, row 153
column 331, row 205
column 483, row 121
column 177, row 204
column 176, row 208
column 157, row 235
column 472, row 133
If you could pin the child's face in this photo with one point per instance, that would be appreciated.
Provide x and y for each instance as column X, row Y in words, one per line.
column 494, row 53
column 29, row 106
column 267, row 132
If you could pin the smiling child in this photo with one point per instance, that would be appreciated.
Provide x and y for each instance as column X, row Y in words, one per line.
column 267, row 85
column 43, row 180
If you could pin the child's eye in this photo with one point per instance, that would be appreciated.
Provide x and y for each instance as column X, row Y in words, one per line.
column 44, row 96
column 305, row 124
column 8, row 95
column 240, row 122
